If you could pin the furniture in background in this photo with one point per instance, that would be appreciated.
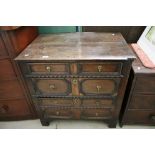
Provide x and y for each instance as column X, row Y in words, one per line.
column 15, row 102
column 56, row 29
column 139, row 102
column 130, row 33
column 77, row 75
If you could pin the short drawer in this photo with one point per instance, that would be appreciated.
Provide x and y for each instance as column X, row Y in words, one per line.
column 48, row 68
column 57, row 113
column 139, row 116
column 10, row 108
column 96, row 114
column 106, row 103
column 51, row 86
column 10, row 89
column 99, row 86
column 100, row 68
column 139, row 101
column 6, row 70
column 145, row 84
column 57, row 102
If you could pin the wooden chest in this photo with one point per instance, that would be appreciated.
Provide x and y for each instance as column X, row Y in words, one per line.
column 15, row 102
column 77, row 75
column 139, row 102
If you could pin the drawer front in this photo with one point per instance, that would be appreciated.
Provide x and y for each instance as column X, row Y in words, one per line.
column 99, row 86
column 6, row 70
column 75, row 102
column 96, row 114
column 14, row 108
column 52, row 86
column 142, row 102
column 57, row 113
column 59, row 102
column 48, row 68
column 145, row 84
column 139, row 116
column 106, row 103
column 100, row 68
column 10, row 89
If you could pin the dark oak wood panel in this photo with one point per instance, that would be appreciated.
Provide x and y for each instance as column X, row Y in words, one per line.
column 145, row 85
column 10, row 89
column 142, row 101
column 96, row 46
column 92, row 86
column 6, row 70
column 3, row 50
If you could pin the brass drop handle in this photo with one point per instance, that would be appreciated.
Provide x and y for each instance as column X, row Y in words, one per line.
column 49, row 68
column 74, row 81
column 4, row 109
column 98, row 88
column 52, row 86
column 57, row 113
column 99, row 68
column 96, row 114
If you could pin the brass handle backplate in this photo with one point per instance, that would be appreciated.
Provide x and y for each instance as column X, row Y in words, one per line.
column 49, row 68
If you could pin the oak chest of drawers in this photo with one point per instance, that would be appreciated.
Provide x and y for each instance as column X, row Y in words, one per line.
column 15, row 101
column 139, row 101
column 77, row 75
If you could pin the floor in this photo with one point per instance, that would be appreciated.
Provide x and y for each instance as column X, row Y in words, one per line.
column 64, row 124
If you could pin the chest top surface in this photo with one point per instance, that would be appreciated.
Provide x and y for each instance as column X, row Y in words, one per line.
column 78, row 46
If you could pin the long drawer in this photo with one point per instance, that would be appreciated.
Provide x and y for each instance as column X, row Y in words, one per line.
column 76, row 114
column 75, row 102
column 145, row 85
column 74, row 86
column 79, row 68
column 142, row 101
column 139, row 116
